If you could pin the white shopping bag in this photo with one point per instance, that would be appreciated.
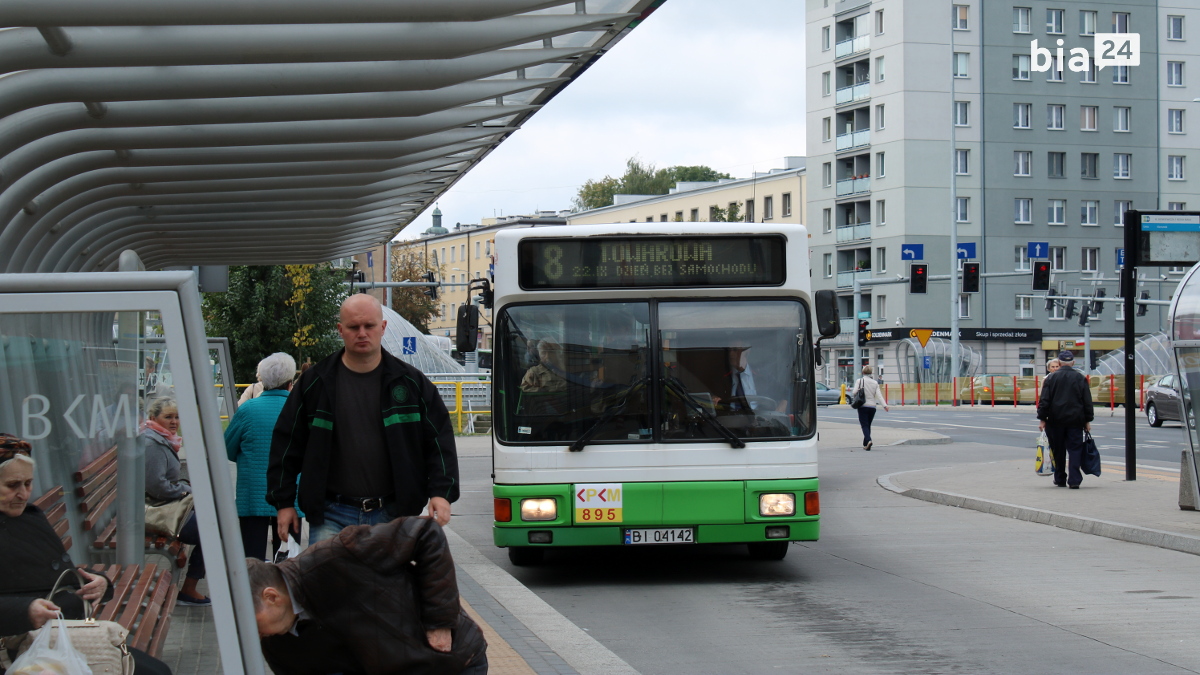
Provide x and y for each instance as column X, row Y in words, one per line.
column 1043, row 461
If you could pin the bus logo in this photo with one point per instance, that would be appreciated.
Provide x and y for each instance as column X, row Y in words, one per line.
column 598, row 503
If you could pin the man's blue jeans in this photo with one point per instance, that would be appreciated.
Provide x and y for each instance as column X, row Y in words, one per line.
column 340, row 516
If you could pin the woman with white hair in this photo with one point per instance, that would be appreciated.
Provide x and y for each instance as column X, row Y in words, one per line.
column 248, row 442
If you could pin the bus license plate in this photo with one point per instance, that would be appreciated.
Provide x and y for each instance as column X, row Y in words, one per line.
column 666, row 535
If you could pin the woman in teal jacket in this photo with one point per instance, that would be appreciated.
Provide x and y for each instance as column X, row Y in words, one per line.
column 248, row 442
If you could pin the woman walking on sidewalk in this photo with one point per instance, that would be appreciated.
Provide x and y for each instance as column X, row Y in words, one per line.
column 874, row 396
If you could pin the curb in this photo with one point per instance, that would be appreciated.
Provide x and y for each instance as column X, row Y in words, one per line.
column 1103, row 528
column 941, row 440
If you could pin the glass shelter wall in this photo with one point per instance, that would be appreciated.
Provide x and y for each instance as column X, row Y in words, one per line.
column 1185, row 341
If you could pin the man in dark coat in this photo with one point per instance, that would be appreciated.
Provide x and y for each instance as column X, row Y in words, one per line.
column 1065, row 409
column 367, row 434
column 373, row 600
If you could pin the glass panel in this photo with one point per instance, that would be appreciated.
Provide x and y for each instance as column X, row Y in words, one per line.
column 1186, row 322
column 1189, row 370
column 573, row 370
column 734, row 367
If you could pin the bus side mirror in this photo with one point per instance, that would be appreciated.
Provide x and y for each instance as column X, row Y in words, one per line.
column 467, row 330
column 828, row 322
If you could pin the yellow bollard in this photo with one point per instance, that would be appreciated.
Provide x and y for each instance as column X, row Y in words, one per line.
column 458, row 403
column 843, row 401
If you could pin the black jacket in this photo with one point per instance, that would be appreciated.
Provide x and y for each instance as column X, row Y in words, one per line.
column 416, row 428
column 1066, row 400
column 371, row 593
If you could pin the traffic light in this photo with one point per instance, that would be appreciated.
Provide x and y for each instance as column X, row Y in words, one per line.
column 1098, row 304
column 863, row 335
column 1095, row 362
column 1070, row 309
column 431, row 291
column 1086, row 314
column 361, row 277
column 1041, row 275
column 1142, row 309
column 1050, row 301
column 970, row 279
column 918, row 278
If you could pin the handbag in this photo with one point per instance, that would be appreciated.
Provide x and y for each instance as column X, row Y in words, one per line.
column 51, row 652
column 860, row 396
column 102, row 643
column 167, row 517
column 1043, row 462
column 1090, row 463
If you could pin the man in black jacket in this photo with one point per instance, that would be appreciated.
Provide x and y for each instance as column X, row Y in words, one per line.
column 367, row 434
column 1065, row 409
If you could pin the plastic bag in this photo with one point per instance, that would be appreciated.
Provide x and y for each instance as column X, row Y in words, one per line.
column 43, row 659
column 1043, row 462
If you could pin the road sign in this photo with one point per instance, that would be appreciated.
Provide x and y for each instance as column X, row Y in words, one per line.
column 966, row 251
column 1120, row 257
column 922, row 335
column 1038, row 249
column 912, row 252
column 370, row 259
column 408, row 345
column 928, row 361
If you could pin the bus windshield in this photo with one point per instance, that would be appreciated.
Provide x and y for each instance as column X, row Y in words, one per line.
column 638, row 372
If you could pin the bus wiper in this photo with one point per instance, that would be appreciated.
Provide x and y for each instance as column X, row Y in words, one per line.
column 609, row 414
column 681, row 391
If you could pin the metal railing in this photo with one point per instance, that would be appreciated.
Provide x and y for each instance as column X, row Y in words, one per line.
column 853, row 139
column 853, row 232
column 854, row 92
column 847, row 278
column 853, row 186
column 851, row 46
column 1108, row 391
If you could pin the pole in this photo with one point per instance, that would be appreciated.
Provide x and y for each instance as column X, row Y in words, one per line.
column 387, row 271
column 1087, row 348
column 857, row 348
column 955, row 348
column 1129, row 279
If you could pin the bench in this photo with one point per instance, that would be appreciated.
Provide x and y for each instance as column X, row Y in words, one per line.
column 55, row 508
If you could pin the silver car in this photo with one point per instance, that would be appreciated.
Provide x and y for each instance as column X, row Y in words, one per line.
column 827, row 396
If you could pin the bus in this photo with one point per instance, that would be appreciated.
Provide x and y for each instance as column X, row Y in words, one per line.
column 653, row 384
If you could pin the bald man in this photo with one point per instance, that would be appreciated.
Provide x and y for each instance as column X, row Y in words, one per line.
column 367, row 434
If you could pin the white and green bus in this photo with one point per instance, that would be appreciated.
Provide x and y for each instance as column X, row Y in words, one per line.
column 653, row 384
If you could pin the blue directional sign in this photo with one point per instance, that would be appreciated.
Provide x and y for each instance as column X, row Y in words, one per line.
column 912, row 252
column 928, row 361
column 1120, row 257
column 1038, row 249
column 966, row 251
column 409, row 345
column 370, row 259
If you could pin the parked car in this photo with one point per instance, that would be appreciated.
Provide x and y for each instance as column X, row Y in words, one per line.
column 827, row 396
column 1163, row 401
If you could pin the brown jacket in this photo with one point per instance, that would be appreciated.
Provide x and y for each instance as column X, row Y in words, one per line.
column 371, row 593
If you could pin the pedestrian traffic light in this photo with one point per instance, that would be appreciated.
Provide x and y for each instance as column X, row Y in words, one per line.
column 1098, row 304
column 864, row 336
column 1050, row 301
column 1070, row 309
column 1142, row 309
column 1041, row 275
column 431, row 291
column 970, row 279
column 1095, row 362
column 918, row 278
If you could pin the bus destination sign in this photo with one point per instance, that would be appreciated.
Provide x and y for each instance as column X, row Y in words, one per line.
column 651, row 262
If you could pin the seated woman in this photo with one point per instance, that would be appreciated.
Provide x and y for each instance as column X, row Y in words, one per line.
column 550, row 374
column 32, row 557
column 160, row 444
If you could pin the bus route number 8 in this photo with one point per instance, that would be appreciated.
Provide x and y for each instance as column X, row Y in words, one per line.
column 553, row 267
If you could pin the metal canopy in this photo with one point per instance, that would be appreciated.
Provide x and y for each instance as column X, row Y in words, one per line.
column 266, row 132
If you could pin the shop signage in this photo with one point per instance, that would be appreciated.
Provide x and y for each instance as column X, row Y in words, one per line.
column 977, row 334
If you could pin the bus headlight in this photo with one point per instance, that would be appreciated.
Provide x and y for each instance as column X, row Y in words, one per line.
column 777, row 504
column 539, row 509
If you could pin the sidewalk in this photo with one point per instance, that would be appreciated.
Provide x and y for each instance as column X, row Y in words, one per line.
column 847, row 434
column 1144, row 511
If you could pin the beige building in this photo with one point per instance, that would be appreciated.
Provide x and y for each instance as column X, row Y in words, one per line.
column 776, row 196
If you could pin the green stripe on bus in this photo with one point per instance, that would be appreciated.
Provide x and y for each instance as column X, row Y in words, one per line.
column 399, row 419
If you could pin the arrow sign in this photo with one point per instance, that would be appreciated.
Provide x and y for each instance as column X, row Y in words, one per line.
column 912, row 252
column 370, row 259
column 1038, row 249
column 966, row 251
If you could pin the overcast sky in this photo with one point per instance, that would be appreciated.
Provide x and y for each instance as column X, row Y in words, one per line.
column 707, row 82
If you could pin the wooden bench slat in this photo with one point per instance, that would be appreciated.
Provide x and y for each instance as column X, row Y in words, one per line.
column 96, row 465
column 152, row 614
column 107, row 536
column 122, row 578
column 164, row 622
column 52, row 496
column 91, row 520
column 137, row 596
column 93, row 484
column 91, row 503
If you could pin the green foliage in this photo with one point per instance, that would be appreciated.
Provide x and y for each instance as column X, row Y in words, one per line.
column 268, row 309
column 733, row 214
column 640, row 179
column 413, row 303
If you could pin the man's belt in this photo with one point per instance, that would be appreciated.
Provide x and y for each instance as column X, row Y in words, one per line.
column 365, row 504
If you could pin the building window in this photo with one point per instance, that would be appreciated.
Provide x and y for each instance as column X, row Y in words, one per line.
column 1175, row 167
column 787, row 204
column 1121, row 162
column 962, row 162
column 880, row 122
column 1055, row 114
column 1087, row 22
column 1021, row 19
column 880, row 165
column 1020, row 66
column 1120, row 22
column 749, row 210
column 477, row 250
column 1021, row 162
column 881, row 259
column 827, row 221
column 662, row 217
column 1055, row 74
column 1176, row 206
column 962, row 209
column 1021, row 114
column 826, row 129
column 879, row 22
column 712, row 214
column 827, row 174
column 1119, row 208
column 768, row 208
column 879, row 69
column 964, row 305
column 650, row 219
column 825, row 83
column 1120, row 311
column 1056, row 164
column 1121, row 117
column 960, row 17
column 1024, row 308
column 1120, row 74
column 1088, row 165
column 1175, row 121
column 1174, row 27
column 1088, row 114
column 881, row 212
column 962, row 113
column 1054, row 21
column 825, row 38
column 694, row 216
column 1022, row 211
column 1021, row 258
column 1174, row 73
column 1088, row 75
column 1090, row 262
column 1058, row 311
column 1089, row 212
column 679, row 216
column 827, row 265
column 1056, row 212
column 881, row 301
column 962, row 64
column 1058, row 258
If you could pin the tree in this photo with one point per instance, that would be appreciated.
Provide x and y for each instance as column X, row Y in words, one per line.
column 414, row 303
column 733, row 214
column 640, row 179
column 279, row 308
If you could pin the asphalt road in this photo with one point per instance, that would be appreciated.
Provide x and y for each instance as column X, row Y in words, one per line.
column 1020, row 430
column 895, row 585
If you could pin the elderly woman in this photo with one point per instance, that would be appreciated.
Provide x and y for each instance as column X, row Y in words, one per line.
column 159, row 442
column 248, row 442
column 32, row 557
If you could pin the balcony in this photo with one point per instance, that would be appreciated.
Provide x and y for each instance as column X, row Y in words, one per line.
column 847, row 278
column 855, row 92
column 853, row 186
column 853, row 139
column 853, row 232
column 852, row 46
